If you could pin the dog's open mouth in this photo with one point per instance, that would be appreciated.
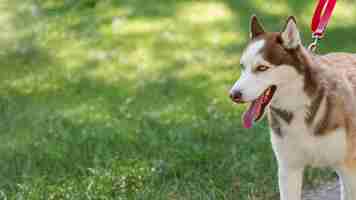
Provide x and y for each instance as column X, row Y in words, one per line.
column 257, row 107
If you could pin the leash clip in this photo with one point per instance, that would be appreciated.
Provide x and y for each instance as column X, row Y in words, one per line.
column 312, row 47
column 321, row 17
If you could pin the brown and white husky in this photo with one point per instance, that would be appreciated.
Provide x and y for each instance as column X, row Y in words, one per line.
column 310, row 101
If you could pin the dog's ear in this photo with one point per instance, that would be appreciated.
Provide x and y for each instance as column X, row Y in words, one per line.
column 256, row 28
column 290, row 34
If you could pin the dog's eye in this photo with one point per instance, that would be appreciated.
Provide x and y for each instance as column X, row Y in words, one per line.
column 262, row 68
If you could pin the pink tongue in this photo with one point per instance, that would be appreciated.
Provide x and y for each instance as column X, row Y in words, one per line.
column 250, row 114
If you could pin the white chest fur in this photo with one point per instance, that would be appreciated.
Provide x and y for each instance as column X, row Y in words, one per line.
column 299, row 146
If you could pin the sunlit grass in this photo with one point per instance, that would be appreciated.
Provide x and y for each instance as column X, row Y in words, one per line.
column 139, row 26
column 344, row 15
column 7, row 30
column 204, row 12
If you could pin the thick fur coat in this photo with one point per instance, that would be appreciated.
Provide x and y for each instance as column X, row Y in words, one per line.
column 312, row 111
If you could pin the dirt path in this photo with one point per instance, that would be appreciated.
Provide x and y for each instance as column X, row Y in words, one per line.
column 330, row 191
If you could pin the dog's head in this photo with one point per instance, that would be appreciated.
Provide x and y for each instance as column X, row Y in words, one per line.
column 268, row 63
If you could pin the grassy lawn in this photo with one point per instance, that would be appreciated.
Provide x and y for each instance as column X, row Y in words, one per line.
column 127, row 99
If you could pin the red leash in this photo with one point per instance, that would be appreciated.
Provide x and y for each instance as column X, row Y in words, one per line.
column 320, row 20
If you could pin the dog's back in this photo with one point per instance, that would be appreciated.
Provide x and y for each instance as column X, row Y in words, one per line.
column 336, row 72
column 343, row 64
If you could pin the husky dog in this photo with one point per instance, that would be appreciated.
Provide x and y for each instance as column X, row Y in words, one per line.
column 310, row 101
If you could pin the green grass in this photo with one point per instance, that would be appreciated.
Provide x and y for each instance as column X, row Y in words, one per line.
column 127, row 99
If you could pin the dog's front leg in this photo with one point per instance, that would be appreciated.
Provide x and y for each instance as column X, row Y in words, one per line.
column 347, row 182
column 290, row 183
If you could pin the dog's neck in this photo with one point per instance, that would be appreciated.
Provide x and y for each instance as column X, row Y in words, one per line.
column 291, row 97
column 296, row 95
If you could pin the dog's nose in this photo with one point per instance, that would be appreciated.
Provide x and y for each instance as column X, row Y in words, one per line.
column 236, row 96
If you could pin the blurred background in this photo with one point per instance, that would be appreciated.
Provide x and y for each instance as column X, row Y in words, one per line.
column 128, row 99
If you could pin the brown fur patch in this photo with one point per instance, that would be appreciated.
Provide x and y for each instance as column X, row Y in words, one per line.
column 256, row 28
column 300, row 59
column 283, row 114
column 335, row 74
column 323, row 125
column 310, row 72
column 333, row 116
column 314, row 107
column 274, row 124
column 274, row 117
column 274, row 52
